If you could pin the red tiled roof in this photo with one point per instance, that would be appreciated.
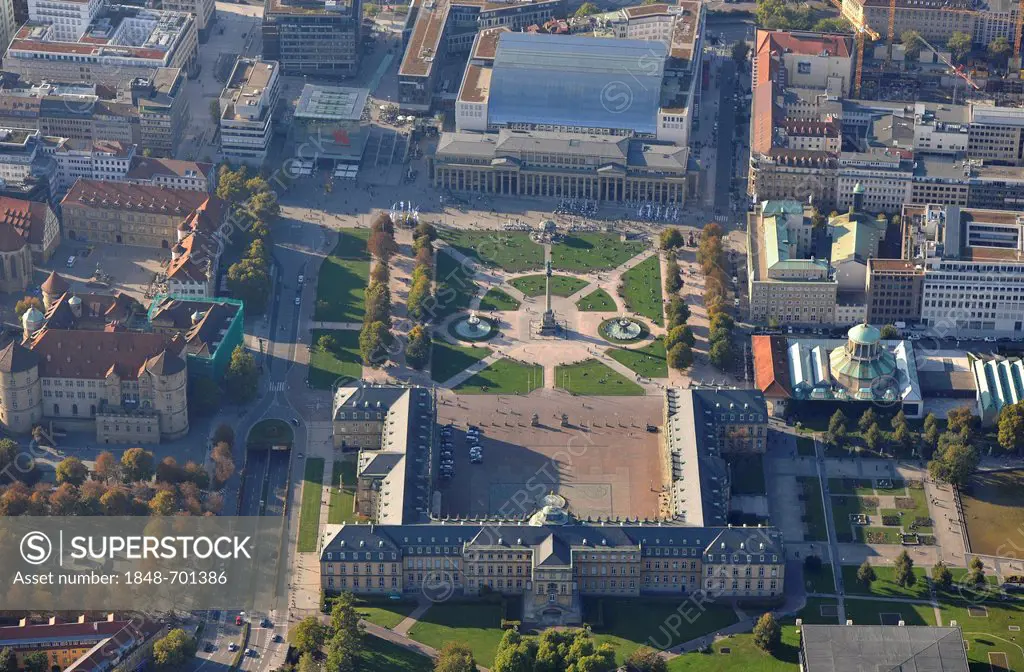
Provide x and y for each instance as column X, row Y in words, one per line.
column 771, row 366
column 95, row 354
column 105, row 195
column 21, row 222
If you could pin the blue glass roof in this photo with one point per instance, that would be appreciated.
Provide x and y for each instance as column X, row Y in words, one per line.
column 591, row 82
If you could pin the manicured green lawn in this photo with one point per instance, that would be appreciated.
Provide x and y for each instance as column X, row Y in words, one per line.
column 641, row 289
column 309, row 513
column 378, row 654
column 386, row 615
column 629, row 624
column 593, row 379
column 805, row 446
column 884, row 585
column 961, row 591
column 747, row 473
column 343, row 492
column 593, row 252
column 843, row 506
column 505, row 376
column 496, row 299
column 475, row 624
column 877, row 535
column 449, row 359
column 649, row 361
column 561, row 285
column 513, row 252
column 811, row 613
column 870, row 612
column 597, row 301
column 738, row 652
column 820, row 581
column 342, row 281
column 814, row 511
column 989, row 632
column 455, row 286
column 326, row 366
column 270, row 432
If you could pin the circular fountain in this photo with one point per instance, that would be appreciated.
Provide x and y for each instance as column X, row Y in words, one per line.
column 623, row 329
column 472, row 328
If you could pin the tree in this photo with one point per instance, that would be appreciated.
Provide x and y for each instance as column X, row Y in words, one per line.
column 673, row 279
column 999, row 51
column 960, row 45
column 867, row 419
column 678, row 312
column 975, row 572
column 22, row 306
column 37, row 661
column 962, row 421
column 905, row 570
column 163, row 503
column 215, row 111
column 249, row 280
column 344, row 617
column 645, row 659
column 889, row 331
column 307, row 663
column 836, row 434
column 173, row 650
column 373, row 341
column 343, row 652
column 327, row 343
column 898, row 420
column 308, row 635
column 380, row 275
column 378, row 304
column 223, row 434
column 116, row 502
column 912, row 43
column 680, row 356
column 678, row 335
column 903, row 438
column 71, row 470
column 941, row 576
column 586, row 9
column 455, row 657
column 767, row 633
column 425, row 230
column 223, row 463
column 836, row 24
column 1011, row 427
column 231, row 183
column 866, row 574
column 8, row 660
column 242, row 376
column 812, row 564
column 670, row 238
column 739, row 52
column 205, row 396
column 955, row 460
column 417, row 349
column 137, row 465
column 264, row 207
column 382, row 245
column 873, row 438
column 168, row 471
column 720, row 354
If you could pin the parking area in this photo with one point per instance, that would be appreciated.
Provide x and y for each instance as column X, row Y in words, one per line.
column 103, row 268
column 603, row 461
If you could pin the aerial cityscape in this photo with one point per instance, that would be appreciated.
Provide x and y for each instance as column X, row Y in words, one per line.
column 512, row 335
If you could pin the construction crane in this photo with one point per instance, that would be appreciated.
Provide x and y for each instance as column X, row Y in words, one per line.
column 1020, row 31
column 892, row 29
column 860, row 29
column 958, row 70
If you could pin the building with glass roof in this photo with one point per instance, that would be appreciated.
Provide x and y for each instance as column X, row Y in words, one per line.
column 330, row 124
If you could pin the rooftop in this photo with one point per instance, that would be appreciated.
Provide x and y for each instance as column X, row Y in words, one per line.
column 331, row 103
column 872, row 648
column 97, row 354
column 106, row 195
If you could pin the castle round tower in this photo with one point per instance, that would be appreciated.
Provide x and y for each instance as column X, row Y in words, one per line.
column 53, row 288
column 169, row 382
column 21, row 391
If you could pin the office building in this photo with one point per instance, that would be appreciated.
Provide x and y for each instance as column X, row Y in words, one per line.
column 163, row 110
column 332, row 123
column 319, row 39
column 894, row 288
column 25, row 161
column 77, row 159
column 247, row 110
column 101, row 43
column 204, row 10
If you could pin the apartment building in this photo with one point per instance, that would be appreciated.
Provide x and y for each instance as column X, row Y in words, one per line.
column 100, row 43
column 247, row 110
column 785, row 287
column 163, row 109
column 554, row 567
column 894, row 289
column 113, row 643
column 204, row 10
column 137, row 214
column 8, row 21
column 24, row 158
column 313, row 38
column 77, row 159
column 172, row 173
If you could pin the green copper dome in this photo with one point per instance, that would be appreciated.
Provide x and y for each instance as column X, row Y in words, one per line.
column 864, row 334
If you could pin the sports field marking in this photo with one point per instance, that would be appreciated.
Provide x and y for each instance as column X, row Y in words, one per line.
column 997, row 660
column 977, row 612
column 830, row 610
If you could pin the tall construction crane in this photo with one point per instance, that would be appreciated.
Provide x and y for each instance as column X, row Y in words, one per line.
column 958, row 70
column 860, row 29
column 892, row 29
column 1019, row 33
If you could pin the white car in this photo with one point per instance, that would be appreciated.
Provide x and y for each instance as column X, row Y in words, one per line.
column 232, row 647
column 990, row 339
column 298, row 300
column 302, row 278
column 71, row 261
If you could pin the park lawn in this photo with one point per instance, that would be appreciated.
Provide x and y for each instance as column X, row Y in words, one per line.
column 884, row 585
column 869, row 612
column 747, row 473
column 591, row 378
column 513, row 252
column 497, row 299
column 478, row 625
column 821, row 581
column 386, row 615
column 899, row 488
column 649, row 361
column 378, row 654
column 449, row 359
column 597, row 301
column 582, row 252
column 325, row 367
column 309, row 513
column 341, row 285
column 805, row 446
column 341, row 505
column 961, row 591
column 989, row 633
column 877, row 535
column 630, row 624
column 561, row 285
column 850, row 486
column 843, row 507
column 814, row 511
column 811, row 613
column 738, row 652
column 641, row 289
column 455, row 286
column 505, row 376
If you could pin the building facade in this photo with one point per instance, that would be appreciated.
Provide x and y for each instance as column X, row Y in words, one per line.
column 247, row 110
column 313, row 38
column 210, row 327
column 163, row 110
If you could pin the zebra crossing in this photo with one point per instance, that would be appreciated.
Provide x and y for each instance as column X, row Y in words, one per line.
column 278, row 387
